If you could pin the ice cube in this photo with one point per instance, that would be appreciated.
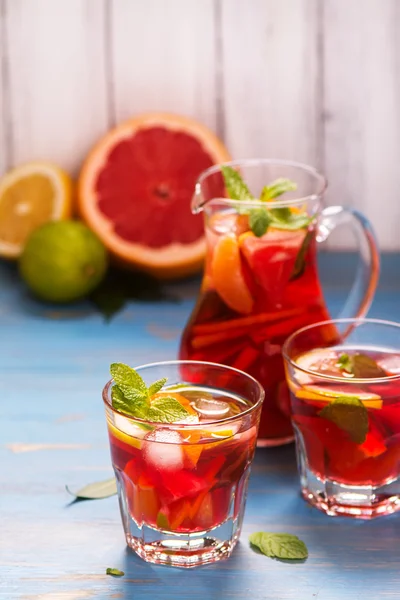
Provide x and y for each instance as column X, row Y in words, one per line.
column 390, row 363
column 163, row 449
column 212, row 410
column 323, row 361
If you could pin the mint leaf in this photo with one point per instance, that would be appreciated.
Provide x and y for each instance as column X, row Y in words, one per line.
column 166, row 409
column 128, row 381
column 284, row 218
column 157, row 386
column 162, row 521
column 300, row 263
column 130, row 395
column 365, row 367
column 132, row 404
column 95, row 491
column 119, row 401
column 345, row 363
column 279, row 545
column 350, row 415
column 259, row 221
column 235, row 186
column 114, row 572
column 277, row 188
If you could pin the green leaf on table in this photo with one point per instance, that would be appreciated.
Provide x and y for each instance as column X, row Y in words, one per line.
column 235, row 186
column 277, row 188
column 361, row 366
column 279, row 545
column 130, row 395
column 350, row 415
column 114, row 572
column 120, row 285
column 259, row 221
column 95, row 491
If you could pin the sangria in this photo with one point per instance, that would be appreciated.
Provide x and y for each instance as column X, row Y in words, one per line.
column 346, row 414
column 182, row 484
column 261, row 280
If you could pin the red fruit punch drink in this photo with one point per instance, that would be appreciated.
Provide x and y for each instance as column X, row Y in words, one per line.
column 346, row 415
column 182, row 485
column 261, row 281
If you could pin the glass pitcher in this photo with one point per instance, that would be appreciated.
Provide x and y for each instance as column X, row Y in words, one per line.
column 258, row 289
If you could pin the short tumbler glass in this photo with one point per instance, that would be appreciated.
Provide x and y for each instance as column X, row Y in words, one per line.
column 182, row 486
column 347, row 424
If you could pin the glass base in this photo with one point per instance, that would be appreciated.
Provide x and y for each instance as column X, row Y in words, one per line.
column 186, row 549
column 191, row 550
column 273, row 442
column 338, row 499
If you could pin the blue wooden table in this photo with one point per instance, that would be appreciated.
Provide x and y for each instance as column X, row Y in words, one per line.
column 53, row 364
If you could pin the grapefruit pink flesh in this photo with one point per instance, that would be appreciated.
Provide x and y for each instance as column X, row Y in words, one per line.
column 146, row 186
column 135, row 190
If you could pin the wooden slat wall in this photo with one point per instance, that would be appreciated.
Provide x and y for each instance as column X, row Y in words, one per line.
column 312, row 80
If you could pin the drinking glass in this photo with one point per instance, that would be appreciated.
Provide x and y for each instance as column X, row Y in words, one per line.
column 182, row 486
column 347, row 423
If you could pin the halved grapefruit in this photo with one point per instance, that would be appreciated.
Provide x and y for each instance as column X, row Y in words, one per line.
column 135, row 189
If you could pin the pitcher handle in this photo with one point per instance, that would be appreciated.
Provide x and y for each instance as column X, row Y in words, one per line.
column 366, row 281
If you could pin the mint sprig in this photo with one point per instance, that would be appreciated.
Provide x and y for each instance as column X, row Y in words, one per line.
column 131, row 396
column 259, row 221
column 279, row 545
column 277, row 188
column 235, row 186
column 262, row 218
column 360, row 366
column 350, row 415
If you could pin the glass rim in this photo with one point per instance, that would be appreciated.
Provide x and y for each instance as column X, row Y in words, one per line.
column 350, row 321
column 253, row 162
column 177, row 425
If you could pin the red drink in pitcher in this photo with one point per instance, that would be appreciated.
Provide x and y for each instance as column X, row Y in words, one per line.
column 261, row 281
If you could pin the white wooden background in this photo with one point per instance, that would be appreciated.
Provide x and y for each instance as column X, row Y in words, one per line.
column 312, row 80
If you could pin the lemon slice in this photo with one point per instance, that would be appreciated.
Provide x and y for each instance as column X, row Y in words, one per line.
column 128, row 431
column 31, row 195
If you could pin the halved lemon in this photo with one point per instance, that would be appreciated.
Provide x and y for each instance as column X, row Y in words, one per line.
column 30, row 195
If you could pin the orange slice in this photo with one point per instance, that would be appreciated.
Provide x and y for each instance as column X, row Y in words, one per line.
column 135, row 191
column 228, row 277
column 31, row 195
column 319, row 394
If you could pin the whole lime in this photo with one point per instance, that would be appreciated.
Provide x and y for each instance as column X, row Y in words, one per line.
column 63, row 261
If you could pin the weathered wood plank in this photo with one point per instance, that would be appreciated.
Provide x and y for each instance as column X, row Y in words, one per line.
column 5, row 149
column 57, row 78
column 362, row 118
column 164, row 58
column 270, row 79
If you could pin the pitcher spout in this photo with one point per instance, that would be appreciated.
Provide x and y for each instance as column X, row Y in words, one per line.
column 198, row 200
